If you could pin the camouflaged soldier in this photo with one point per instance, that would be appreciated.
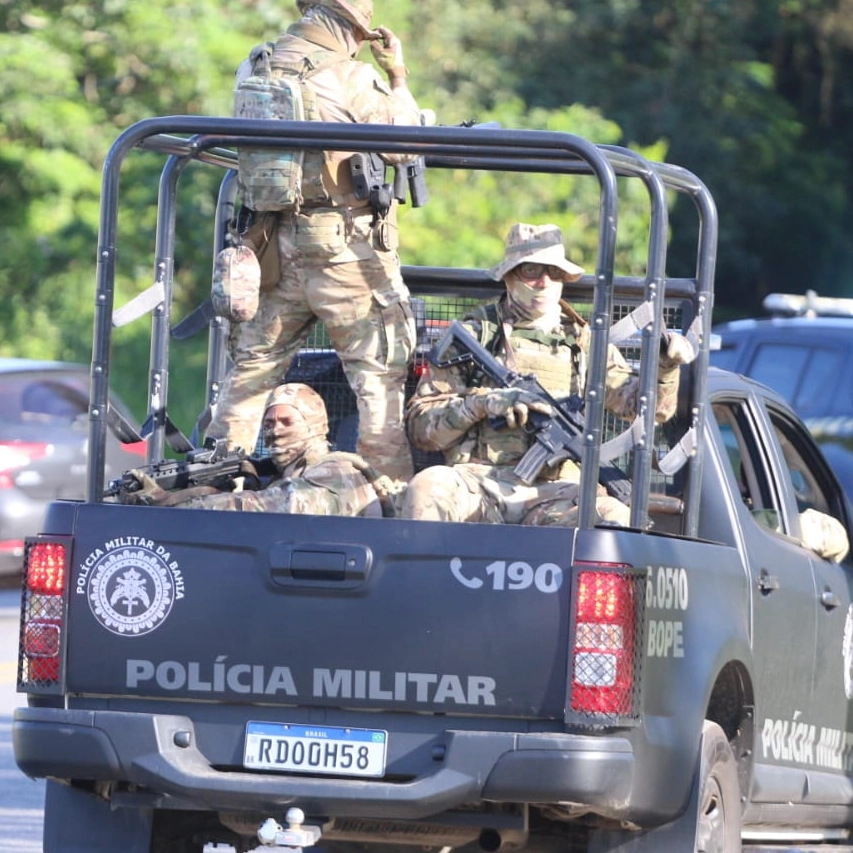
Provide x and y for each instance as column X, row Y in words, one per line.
column 339, row 262
column 310, row 479
column 526, row 329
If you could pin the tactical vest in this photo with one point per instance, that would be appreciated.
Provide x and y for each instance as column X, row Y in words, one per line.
column 271, row 179
column 554, row 358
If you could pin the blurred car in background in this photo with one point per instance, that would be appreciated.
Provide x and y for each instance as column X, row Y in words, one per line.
column 44, row 432
column 803, row 350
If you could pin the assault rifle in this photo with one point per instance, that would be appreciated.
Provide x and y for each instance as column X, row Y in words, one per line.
column 212, row 465
column 557, row 435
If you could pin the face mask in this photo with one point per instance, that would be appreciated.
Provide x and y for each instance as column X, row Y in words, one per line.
column 534, row 302
column 285, row 434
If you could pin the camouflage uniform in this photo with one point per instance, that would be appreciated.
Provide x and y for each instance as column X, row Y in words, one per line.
column 320, row 483
column 336, row 265
column 310, row 480
column 445, row 414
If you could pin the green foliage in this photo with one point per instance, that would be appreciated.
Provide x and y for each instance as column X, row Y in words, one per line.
column 470, row 213
column 751, row 96
column 73, row 77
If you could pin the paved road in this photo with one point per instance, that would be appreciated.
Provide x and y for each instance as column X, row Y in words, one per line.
column 21, row 798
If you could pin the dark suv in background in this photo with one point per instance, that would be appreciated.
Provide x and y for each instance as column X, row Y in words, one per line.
column 803, row 350
column 44, row 436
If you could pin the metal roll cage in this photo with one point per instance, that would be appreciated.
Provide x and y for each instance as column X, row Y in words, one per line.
column 214, row 141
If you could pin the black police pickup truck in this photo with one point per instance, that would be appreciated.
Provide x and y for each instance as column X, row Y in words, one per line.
column 278, row 681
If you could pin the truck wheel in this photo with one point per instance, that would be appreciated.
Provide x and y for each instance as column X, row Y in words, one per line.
column 718, row 824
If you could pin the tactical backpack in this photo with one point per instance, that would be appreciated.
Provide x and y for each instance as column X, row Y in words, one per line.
column 271, row 179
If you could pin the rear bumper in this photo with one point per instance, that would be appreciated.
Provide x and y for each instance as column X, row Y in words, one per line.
column 495, row 766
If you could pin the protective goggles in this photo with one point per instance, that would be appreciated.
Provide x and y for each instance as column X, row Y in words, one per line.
column 530, row 271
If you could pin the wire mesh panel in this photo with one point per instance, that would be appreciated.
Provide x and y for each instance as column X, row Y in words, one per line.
column 318, row 365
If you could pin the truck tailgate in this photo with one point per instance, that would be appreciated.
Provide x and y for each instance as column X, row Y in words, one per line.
column 379, row 614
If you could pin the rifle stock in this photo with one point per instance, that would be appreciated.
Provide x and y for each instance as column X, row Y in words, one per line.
column 557, row 436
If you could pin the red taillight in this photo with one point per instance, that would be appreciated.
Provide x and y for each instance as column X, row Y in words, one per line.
column 603, row 654
column 41, row 647
column 45, row 567
column 41, row 638
column 18, row 454
column 43, row 612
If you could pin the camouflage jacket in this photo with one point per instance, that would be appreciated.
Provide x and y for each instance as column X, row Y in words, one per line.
column 330, row 485
column 437, row 419
column 350, row 91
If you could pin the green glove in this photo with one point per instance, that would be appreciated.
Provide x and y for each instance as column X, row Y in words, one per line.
column 510, row 404
column 388, row 53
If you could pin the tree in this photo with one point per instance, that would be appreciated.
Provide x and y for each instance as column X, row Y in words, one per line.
column 753, row 97
column 74, row 76
column 742, row 94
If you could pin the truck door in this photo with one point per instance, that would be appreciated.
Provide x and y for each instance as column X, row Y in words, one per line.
column 783, row 604
column 813, row 490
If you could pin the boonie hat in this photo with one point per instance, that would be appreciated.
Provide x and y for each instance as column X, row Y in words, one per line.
column 357, row 12
column 538, row 244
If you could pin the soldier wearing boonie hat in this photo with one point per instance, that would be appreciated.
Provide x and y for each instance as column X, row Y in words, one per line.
column 532, row 330
column 536, row 244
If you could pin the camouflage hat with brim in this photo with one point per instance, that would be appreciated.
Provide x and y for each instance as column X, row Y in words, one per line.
column 357, row 12
column 535, row 244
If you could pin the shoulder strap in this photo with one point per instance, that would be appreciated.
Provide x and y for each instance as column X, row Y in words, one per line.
column 328, row 54
column 489, row 322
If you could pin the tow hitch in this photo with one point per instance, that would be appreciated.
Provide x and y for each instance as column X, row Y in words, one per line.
column 272, row 835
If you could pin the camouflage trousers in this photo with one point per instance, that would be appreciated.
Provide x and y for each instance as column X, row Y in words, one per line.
column 474, row 491
column 329, row 271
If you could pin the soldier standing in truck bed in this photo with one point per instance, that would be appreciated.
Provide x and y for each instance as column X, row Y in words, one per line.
column 339, row 261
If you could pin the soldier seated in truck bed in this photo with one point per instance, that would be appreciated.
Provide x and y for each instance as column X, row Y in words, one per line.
column 306, row 476
column 480, row 428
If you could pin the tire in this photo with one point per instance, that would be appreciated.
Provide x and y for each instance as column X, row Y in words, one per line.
column 719, row 819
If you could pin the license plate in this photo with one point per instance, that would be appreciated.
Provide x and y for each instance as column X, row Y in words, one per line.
column 315, row 749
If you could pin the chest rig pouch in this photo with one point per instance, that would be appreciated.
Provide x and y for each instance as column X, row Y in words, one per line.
column 271, row 179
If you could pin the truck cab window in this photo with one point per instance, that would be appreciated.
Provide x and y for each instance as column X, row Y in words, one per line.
column 807, row 489
column 746, row 464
